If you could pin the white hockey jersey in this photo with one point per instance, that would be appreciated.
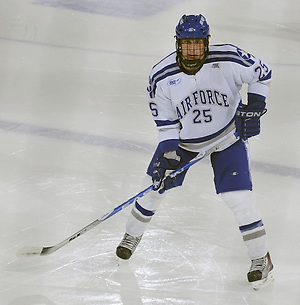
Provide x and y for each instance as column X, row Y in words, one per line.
column 198, row 108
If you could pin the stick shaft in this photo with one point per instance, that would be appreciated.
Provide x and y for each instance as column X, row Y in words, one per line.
column 30, row 251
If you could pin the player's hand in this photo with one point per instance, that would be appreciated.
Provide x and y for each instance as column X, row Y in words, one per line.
column 247, row 119
column 164, row 164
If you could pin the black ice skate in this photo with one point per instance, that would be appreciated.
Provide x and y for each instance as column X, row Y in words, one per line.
column 127, row 246
column 260, row 272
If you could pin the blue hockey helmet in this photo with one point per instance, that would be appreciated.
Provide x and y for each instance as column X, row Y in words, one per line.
column 192, row 26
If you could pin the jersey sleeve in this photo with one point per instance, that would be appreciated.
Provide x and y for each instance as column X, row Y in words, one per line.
column 164, row 115
column 256, row 73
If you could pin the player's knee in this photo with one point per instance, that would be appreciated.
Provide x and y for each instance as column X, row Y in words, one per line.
column 243, row 205
column 239, row 199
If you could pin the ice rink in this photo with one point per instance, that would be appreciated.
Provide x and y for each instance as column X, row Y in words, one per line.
column 77, row 136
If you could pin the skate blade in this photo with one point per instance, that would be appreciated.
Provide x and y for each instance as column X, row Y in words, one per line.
column 263, row 283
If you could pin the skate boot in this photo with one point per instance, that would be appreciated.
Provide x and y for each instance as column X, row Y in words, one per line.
column 127, row 246
column 260, row 272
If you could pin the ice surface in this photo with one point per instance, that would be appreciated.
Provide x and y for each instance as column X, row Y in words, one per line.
column 77, row 136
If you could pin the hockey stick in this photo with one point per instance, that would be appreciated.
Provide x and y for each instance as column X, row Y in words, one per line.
column 33, row 251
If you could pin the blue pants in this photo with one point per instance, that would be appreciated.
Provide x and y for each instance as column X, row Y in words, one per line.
column 230, row 166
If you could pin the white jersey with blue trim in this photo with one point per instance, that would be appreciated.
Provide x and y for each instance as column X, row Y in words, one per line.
column 198, row 108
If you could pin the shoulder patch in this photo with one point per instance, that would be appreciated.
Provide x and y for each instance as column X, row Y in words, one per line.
column 245, row 55
column 160, row 75
column 174, row 82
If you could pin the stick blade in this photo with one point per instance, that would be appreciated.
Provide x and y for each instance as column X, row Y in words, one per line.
column 29, row 251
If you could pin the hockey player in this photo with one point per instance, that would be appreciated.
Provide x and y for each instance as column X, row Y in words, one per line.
column 194, row 98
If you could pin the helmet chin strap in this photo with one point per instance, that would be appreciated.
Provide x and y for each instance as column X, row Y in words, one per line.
column 191, row 63
column 190, row 66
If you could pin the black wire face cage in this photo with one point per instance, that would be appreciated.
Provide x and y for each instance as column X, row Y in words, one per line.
column 191, row 63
